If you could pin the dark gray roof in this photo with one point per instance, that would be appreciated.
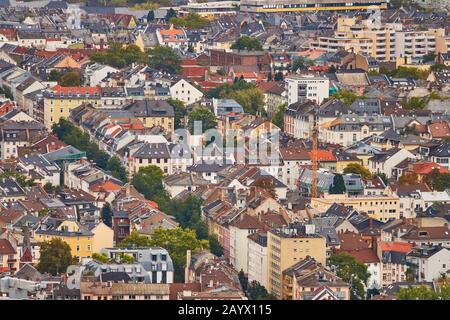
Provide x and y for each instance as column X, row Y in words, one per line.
column 150, row 108
column 382, row 157
column 443, row 150
column 115, row 277
column 153, row 151
column 206, row 167
column 10, row 188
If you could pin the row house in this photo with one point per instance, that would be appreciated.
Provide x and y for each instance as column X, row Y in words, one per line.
column 60, row 101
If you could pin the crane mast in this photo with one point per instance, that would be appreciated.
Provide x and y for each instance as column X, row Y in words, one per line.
column 314, row 154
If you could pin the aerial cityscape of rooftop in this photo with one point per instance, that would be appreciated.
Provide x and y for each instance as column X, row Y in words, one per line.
column 225, row 150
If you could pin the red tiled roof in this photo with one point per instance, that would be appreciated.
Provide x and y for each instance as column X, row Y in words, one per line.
column 424, row 168
column 189, row 62
column 44, row 54
column 439, row 129
column 21, row 50
column 172, row 33
column 76, row 90
column 248, row 222
column 294, row 154
column 194, row 71
column 352, row 241
column 403, row 247
column 107, row 186
column 175, row 288
column 6, row 107
column 323, row 155
column 6, row 247
column 9, row 33
column 362, row 255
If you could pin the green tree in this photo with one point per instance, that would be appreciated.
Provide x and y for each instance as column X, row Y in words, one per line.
column 247, row 43
column 49, row 188
column 188, row 214
column 106, row 214
column 437, row 67
column 55, row 257
column 68, row 133
column 170, row 14
column 179, row 110
column 278, row 117
column 352, row 271
column 411, row 130
column 135, row 240
column 300, row 63
column 409, row 178
column 54, row 75
column 228, row 91
column 117, row 169
column 358, row 169
column 415, row 103
column 126, row 258
column 251, row 99
column 279, row 76
column 21, row 179
column 164, row 59
column 151, row 16
column 191, row 21
column 103, row 258
column 177, row 241
column 408, row 72
column 119, row 56
column 429, row 57
column 204, row 115
column 421, row 292
column 338, row 186
column 8, row 93
column 243, row 280
column 70, row 79
column 347, row 96
column 256, row 291
column 148, row 181
column 438, row 181
column 214, row 245
column 383, row 177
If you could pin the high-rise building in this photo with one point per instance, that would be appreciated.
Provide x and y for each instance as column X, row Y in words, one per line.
column 287, row 246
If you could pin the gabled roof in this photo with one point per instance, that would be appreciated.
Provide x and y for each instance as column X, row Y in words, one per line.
column 6, row 247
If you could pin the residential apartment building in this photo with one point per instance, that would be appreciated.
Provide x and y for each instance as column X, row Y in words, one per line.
column 186, row 92
column 384, row 162
column 310, row 280
column 240, row 229
column 9, row 257
column 428, row 263
column 306, row 88
column 257, row 258
column 79, row 238
column 380, row 207
column 59, row 101
column 155, row 261
column 308, row 5
column 349, row 129
column 156, row 154
column 382, row 41
column 123, row 291
column 287, row 246
column 17, row 134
